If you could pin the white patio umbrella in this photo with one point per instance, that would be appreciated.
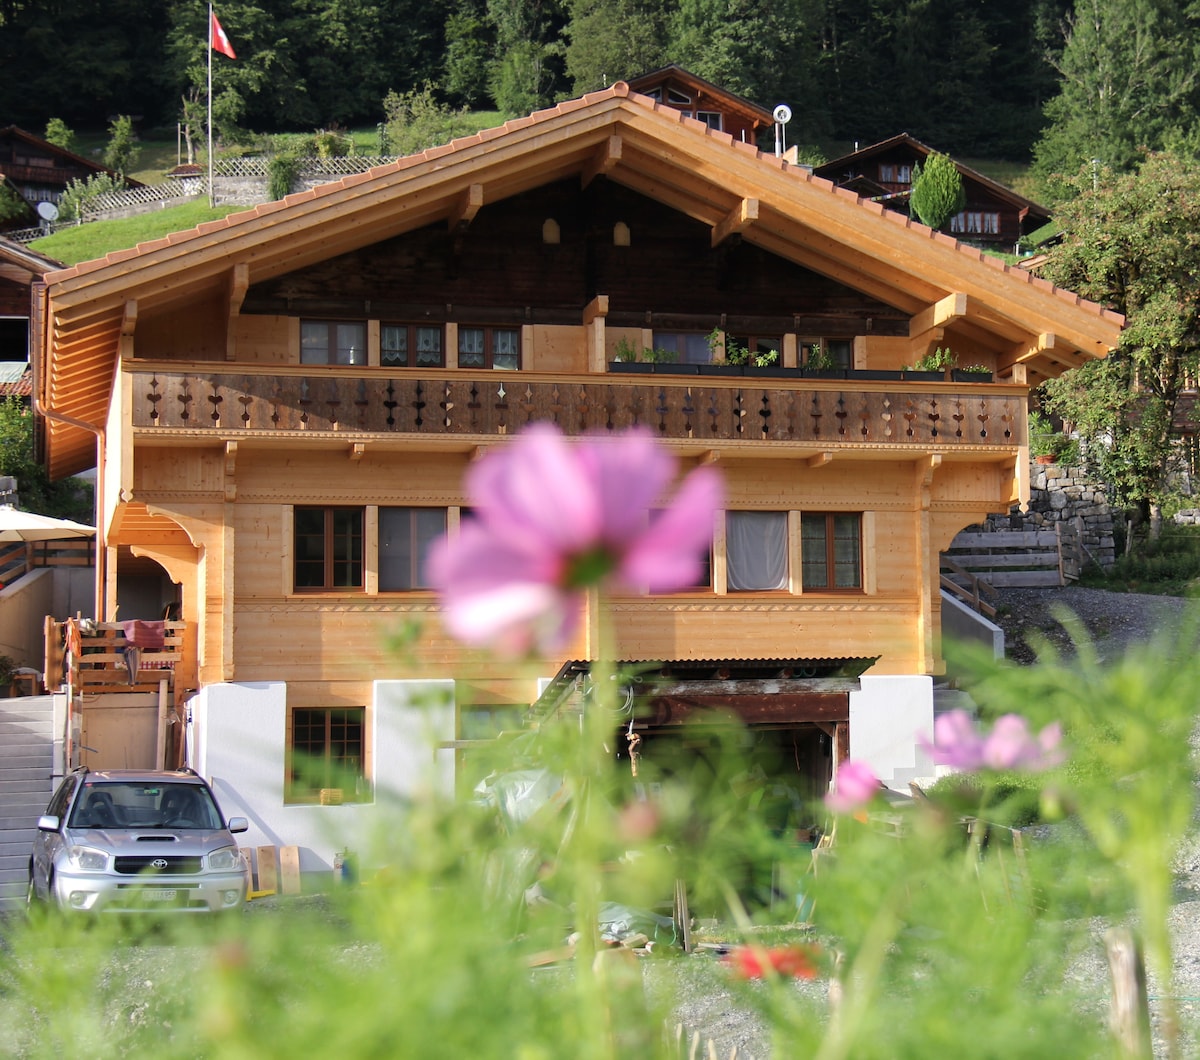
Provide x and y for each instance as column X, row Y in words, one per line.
column 16, row 525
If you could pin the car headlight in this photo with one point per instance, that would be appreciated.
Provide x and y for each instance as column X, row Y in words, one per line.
column 88, row 859
column 225, row 859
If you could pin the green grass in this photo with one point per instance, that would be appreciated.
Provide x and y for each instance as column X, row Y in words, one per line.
column 94, row 240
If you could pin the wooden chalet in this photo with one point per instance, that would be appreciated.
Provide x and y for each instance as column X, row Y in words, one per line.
column 19, row 267
column 281, row 406
column 41, row 171
column 993, row 216
column 696, row 98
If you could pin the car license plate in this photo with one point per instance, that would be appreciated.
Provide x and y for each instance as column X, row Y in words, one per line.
column 159, row 894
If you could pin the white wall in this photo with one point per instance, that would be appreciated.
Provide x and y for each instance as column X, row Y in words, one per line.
column 237, row 737
column 888, row 716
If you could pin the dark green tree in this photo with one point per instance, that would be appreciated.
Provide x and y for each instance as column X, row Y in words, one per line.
column 1127, row 82
column 937, row 190
column 529, row 69
column 1132, row 242
column 470, row 43
column 122, row 150
column 58, row 133
column 68, row 499
column 614, row 40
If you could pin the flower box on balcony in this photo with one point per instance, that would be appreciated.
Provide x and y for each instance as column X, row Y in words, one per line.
column 630, row 366
column 912, row 375
column 965, row 375
column 722, row 368
column 876, row 373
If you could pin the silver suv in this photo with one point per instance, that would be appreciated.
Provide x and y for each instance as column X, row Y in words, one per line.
column 123, row 840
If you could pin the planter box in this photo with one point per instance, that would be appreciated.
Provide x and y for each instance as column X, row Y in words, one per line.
column 677, row 369
column 824, row 373
column 961, row 375
column 722, row 369
column 774, row 371
column 630, row 366
column 912, row 375
column 876, row 373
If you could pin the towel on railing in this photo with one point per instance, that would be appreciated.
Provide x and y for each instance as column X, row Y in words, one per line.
column 141, row 634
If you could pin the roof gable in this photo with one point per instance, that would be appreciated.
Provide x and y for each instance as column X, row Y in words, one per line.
column 729, row 186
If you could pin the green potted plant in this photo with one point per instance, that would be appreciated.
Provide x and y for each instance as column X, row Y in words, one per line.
column 933, row 366
column 1047, row 445
column 627, row 358
column 820, row 363
column 8, row 669
column 735, row 360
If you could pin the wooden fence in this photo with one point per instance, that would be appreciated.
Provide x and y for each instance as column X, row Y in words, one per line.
column 20, row 557
column 1014, row 558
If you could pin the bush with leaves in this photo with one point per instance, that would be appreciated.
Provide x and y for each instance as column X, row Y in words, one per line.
column 416, row 120
column 58, row 133
column 937, row 190
column 78, row 194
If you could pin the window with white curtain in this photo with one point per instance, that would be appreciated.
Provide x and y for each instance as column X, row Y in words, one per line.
column 756, row 552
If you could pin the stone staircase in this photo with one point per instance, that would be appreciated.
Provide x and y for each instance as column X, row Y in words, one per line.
column 26, row 784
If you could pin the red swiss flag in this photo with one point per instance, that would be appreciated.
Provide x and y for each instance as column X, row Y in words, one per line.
column 218, row 41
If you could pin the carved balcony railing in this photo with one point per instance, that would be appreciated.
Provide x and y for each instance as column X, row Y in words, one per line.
column 459, row 403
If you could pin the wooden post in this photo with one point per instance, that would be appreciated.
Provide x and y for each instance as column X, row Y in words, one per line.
column 1129, row 1017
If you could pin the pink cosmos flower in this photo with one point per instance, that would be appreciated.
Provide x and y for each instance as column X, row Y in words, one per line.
column 1010, row 744
column 854, row 786
column 551, row 518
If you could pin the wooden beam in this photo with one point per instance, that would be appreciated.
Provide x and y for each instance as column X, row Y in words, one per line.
column 239, row 284
column 737, row 220
column 944, row 311
column 820, row 459
column 128, row 326
column 231, row 452
column 463, row 212
column 357, row 451
column 597, row 307
column 603, row 162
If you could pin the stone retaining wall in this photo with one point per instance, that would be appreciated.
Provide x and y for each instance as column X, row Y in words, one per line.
column 1066, row 495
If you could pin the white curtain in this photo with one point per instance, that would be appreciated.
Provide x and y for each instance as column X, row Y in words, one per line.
column 756, row 553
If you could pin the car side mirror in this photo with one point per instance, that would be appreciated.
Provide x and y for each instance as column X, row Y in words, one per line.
column 239, row 824
column 48, row 822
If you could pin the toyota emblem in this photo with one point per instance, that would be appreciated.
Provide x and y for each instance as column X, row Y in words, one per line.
column 159, row 863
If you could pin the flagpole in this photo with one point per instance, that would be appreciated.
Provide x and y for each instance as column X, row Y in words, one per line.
column 212, row 198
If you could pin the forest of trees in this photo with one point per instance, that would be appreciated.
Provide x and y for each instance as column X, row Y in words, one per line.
column 970, row 77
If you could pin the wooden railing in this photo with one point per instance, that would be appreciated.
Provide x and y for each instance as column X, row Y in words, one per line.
column 97, row 659
column 1015, row 557
column 384, row 401
column 20, row 557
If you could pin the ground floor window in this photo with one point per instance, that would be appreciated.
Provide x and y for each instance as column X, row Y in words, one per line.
column 328, row 548
column 325, row 755
column 756, row 550
column 831, row 547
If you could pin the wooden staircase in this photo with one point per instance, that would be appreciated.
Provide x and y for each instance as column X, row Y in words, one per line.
column 977, row 563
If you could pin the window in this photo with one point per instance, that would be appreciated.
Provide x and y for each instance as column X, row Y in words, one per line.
column 333, row 342
column 758, row 345
column 328, row 548
column 687, row 346
column 405, row 537
column 678, row 99
column 411, row 345
column 839, row 352
column 326, row 755
column 711, row 118
column 489, row 348
column 831, row 550
column 895, row 173
column 756, row 552
column 976, row 223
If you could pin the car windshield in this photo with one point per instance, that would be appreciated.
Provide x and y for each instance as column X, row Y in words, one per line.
column 130, row 804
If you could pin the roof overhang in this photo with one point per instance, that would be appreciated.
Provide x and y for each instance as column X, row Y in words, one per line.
column 648, row 147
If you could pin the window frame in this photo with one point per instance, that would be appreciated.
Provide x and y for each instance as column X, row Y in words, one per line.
column 417, row 552
column 844, row 344
column 828, row 520
column 976, row 223
column 682, row 348
column 731, row 516
column 332, row 348
column 297, row 790
column 413, row 353
column 489, row 346
column 329, row 536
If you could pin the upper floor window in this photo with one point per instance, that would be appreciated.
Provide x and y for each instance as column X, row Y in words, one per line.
column 976, row 223
column 758, row 345
column 895, row 173
column 831, row 353
column 333, row 342
column 405, row 538
column 831, row 550
column 678, row 99
column 411, row 345
column 328, row 548
column 712, row 118
column 489, row 347
column 756, row 551
column 688, row 347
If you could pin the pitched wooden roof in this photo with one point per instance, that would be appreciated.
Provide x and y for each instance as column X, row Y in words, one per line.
column 650, row 148
column 677, row 77
column 70, row 159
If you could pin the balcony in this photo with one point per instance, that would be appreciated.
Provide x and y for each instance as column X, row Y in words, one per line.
column 447, row 403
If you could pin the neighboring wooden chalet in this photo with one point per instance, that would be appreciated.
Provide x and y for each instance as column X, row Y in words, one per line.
column 282, row 405
column 883, row 172
column 19, row 267
column 40, row 171
column 696, row 98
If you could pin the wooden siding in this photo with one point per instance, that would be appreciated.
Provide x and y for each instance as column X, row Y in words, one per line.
column 500, row 271
column 384, row 402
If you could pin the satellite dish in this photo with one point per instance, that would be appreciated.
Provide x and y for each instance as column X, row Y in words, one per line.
column 782, row 114
column 47, row 211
